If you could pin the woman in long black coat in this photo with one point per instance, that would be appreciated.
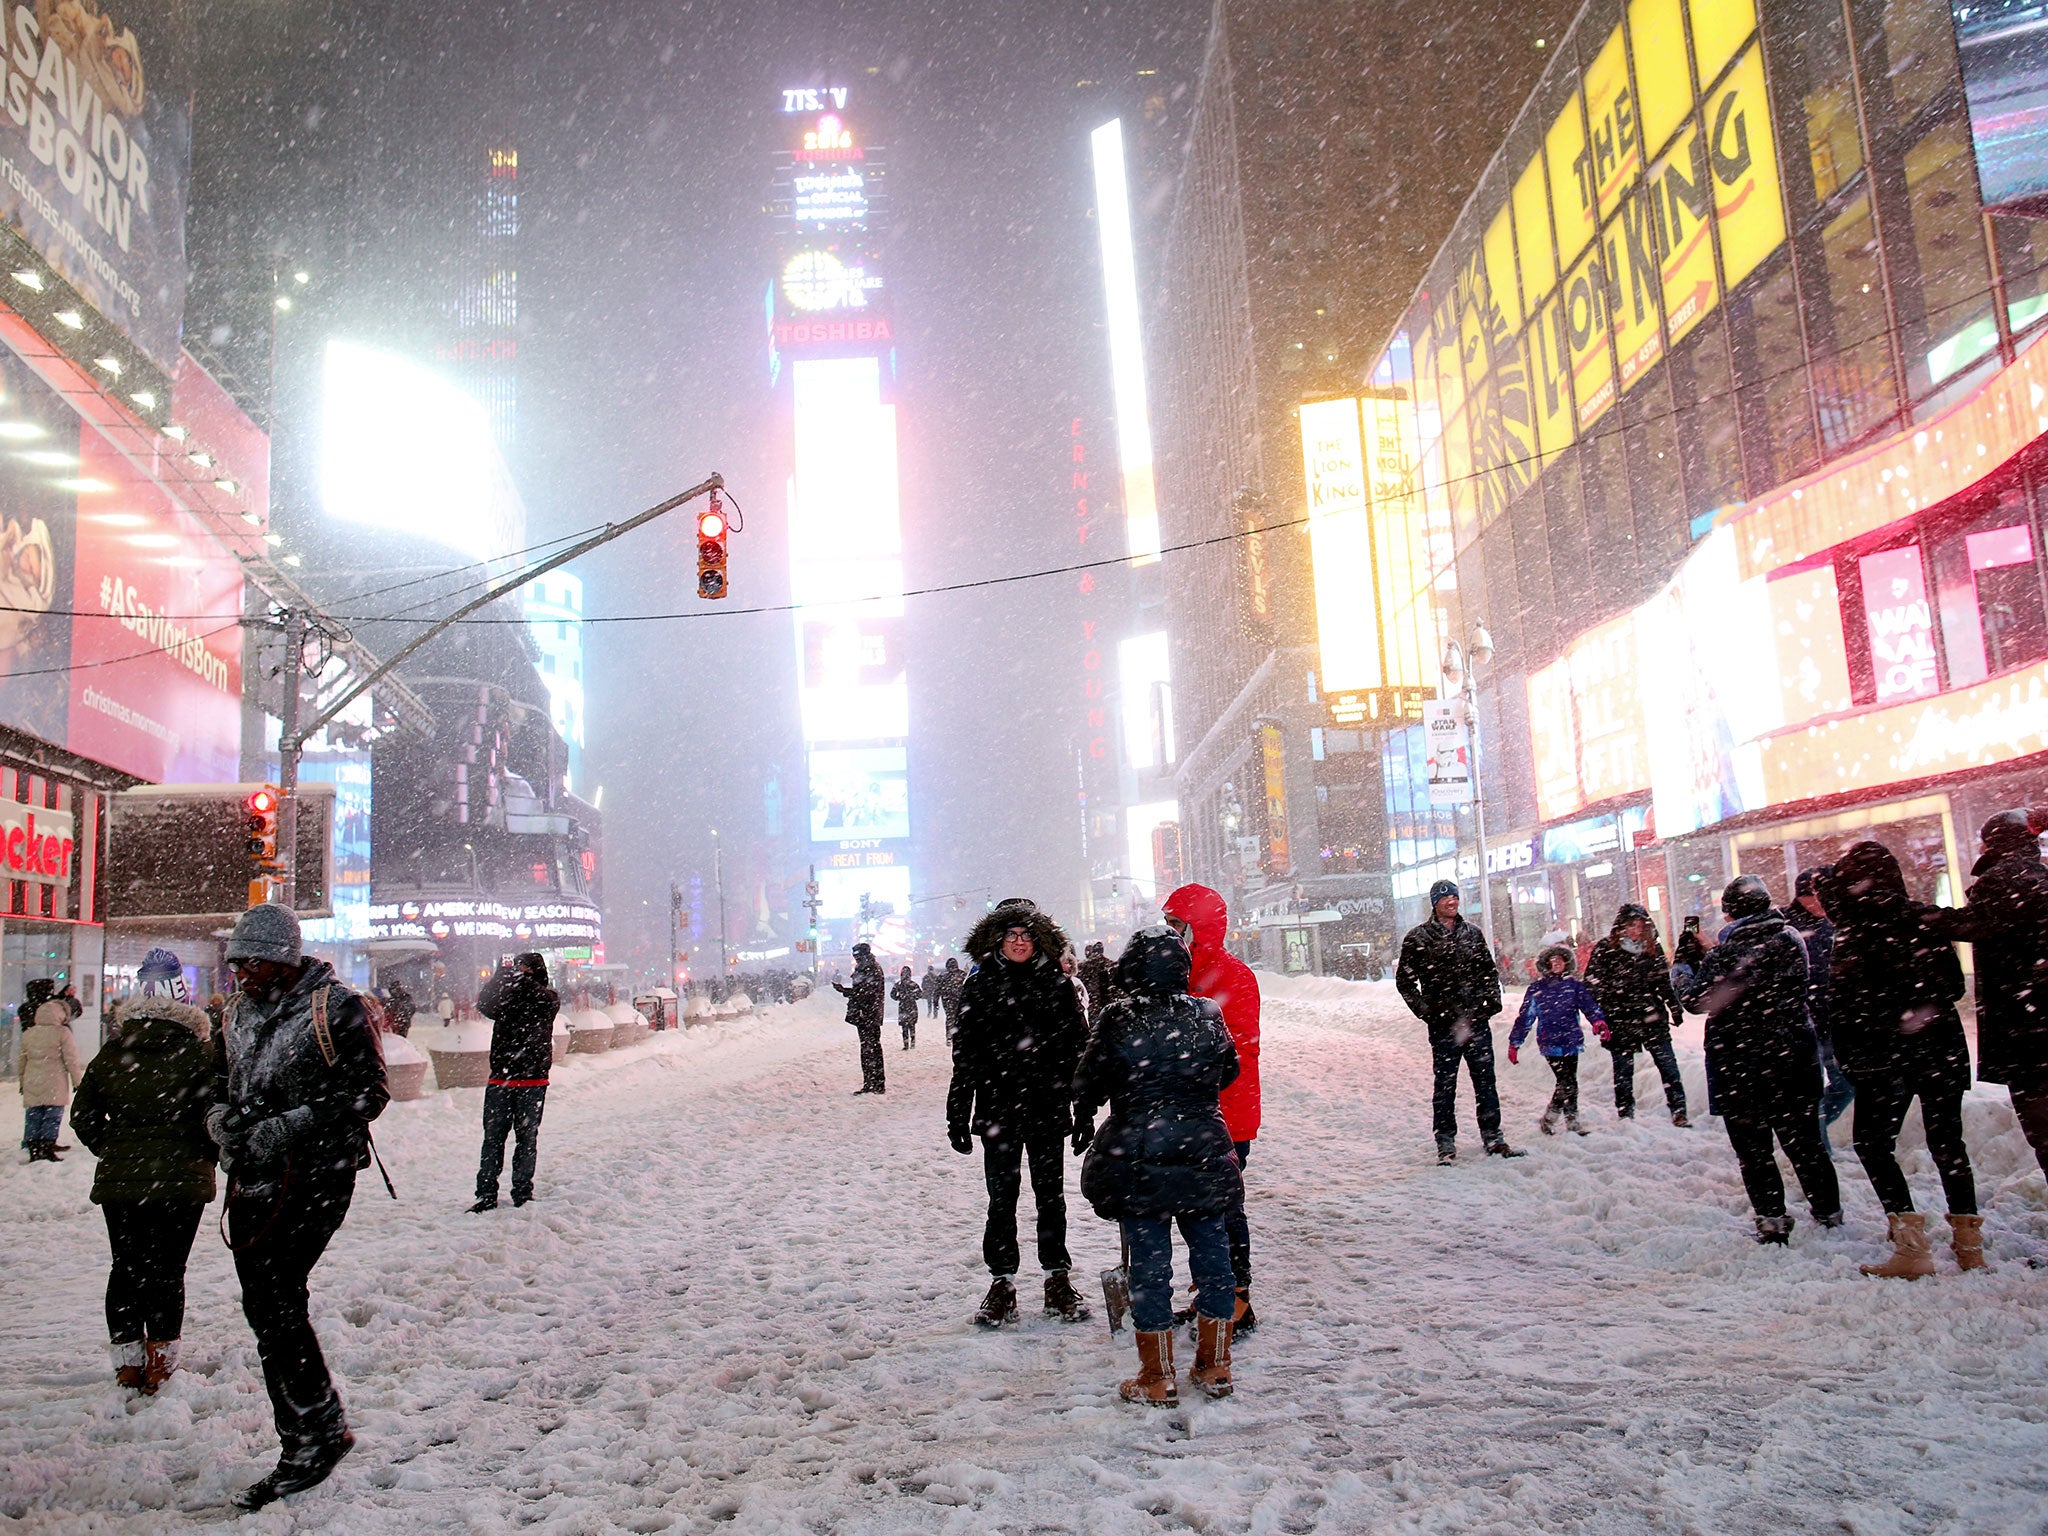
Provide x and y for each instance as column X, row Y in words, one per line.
column 1164, row 1157
column 1893, row 984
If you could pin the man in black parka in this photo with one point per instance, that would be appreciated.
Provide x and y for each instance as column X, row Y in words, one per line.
column 521, row 1007
column 1448, row 979
column 1016, row 1048
column 865, row 1000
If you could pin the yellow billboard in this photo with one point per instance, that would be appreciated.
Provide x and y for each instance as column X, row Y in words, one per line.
column 1340, row 545
column 1629, row 246
column 1616, row 155
column 1656, row 35
column 1571, row 181
column 1680, row 197
column 1748, row 208
column 1534, row 254
column 1400, row 543
column 1719, row 29
column 1550, row 381
column 1586, row 334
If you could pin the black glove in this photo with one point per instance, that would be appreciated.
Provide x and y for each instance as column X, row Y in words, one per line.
column 962, row 1141
column 1084, row 1132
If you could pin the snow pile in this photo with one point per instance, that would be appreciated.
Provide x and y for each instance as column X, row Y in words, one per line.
column 740, row 1301
column 399, row 1051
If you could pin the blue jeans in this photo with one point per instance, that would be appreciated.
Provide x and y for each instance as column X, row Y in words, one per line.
column 41, row 1122
column 1839, row 1091
column 1151, row 1242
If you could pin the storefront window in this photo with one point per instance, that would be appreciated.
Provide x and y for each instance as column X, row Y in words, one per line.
column 1988, row 588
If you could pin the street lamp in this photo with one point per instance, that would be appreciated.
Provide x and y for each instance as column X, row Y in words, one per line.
column 1461, row 680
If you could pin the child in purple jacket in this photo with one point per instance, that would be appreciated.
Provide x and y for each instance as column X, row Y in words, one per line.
column 1552, row 1006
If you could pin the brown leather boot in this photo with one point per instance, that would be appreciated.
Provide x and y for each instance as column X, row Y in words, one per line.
column 1154, row 1385
column 1911, row 1257
column 159, row 1360
column 128, row 1364
column 1211, row 1373
column 1966, row 1237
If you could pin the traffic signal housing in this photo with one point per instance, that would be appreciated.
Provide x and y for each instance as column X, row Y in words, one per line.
column 260, row 810
column 712, row 531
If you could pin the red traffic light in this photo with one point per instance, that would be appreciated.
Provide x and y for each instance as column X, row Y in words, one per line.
column 262, row 802
column 711, row 525
column 712, row 529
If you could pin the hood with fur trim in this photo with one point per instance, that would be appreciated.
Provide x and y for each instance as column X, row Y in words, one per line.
column 984, row 943
column 139, row 1009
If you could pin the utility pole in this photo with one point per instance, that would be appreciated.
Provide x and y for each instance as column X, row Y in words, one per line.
column 675, row 921
column 288, row 761
column 812, row 905
column 718, row 876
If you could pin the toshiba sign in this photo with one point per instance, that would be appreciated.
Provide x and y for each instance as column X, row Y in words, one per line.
column 37, row 851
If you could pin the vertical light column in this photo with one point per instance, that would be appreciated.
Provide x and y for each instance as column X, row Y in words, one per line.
column 1126, row 343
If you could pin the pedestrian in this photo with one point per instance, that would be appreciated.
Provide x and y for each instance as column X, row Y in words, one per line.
column 1632, row 980
column 2006, row 920
column 908, row 995
column 1015, row 1050
column 1552, row 1007
column 864, row 1005
column 49, row 1071
column 1894, row 982
column 521, row 1006
column 302, row 1080
column 1763, row 1066
column 952, row 981
column 1447, row 979
column 1809, row 921
column 1202, row 919
column 1160, row 1058
column 141, row 1110
column 1095, row 972
column 928, row 989
column 399, row 1006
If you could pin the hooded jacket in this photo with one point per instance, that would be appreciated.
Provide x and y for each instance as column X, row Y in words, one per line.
column 1761, row 1052
column 866, row 997
column 2007, row 920
column 141, row 1108
column 521, row 1007
column 1159, row 1059
column 1893, row 978
column 1634, row 989
column 1019, row 1036
column 951, row 980
column 1446, row 975
column 1552, row 1006
column 1233, row 987
column 1095, row 973
column 908, row 995
column 272, row 1065
column 49, row 1056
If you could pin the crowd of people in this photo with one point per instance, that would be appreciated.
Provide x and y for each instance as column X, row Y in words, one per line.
column 1849, row 992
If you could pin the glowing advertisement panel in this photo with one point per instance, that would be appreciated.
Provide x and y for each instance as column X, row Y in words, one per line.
column 859, row 792
column 840, row 891
column 1126, row 343
column 1340, row 545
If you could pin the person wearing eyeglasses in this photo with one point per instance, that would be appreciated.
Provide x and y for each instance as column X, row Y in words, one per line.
column 1021, row 1031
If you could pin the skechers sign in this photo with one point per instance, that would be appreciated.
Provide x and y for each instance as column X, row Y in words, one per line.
column 38, row 852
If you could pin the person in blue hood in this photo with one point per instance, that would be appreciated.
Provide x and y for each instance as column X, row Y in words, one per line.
column 1552, row 1007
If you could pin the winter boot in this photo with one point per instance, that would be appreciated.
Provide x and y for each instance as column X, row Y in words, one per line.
column 1680, row 1120
column 1446, row 1153
column 159, row 1361
column 128, row 1365
column 1911, row 1256
column 1154, row 1385
column 1246, row 1319
column 1548, row 1124
column 1966, row 1237
column 299, row 1468
column 999, row 1306
column 1062, row 1300
column 484, row 1203
column 1571, row 1123
column 1502, row 1149
column 1210, row 1374
column 1828, row 1219
column 1774, row 1231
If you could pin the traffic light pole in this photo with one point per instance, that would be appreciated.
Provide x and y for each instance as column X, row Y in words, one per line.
column 293, row 736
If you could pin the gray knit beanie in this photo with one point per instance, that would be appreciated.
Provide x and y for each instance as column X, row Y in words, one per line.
column 266, row 932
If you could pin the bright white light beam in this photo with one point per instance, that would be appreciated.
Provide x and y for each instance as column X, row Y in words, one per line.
column 1126, row 345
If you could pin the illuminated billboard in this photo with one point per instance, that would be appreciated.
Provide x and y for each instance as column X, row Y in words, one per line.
column 2003, row 45
column 1340, row 545
column 1126, row 343
column 859, row 792
column 841, row 891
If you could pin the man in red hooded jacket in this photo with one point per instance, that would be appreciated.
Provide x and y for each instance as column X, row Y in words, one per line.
column 1201, row 918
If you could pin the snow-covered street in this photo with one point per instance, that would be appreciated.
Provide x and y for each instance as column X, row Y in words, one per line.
column 741, row 1300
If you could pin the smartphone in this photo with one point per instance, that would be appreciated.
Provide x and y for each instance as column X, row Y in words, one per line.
column 1692, row 923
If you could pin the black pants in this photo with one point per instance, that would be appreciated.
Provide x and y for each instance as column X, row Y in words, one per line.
column 151, row 1240
column 952, row 1007
column 908, row 1019
column 1881, row 1103
column 517, row 1111
column 871, row 1080
column 1666, row 1061
column 1795, row 1123
column 1002, row 1159
column 1237, row 1229
column 2030, row 1108
column 278, row 1235
column 1564, row 1098
column 1472, row 1045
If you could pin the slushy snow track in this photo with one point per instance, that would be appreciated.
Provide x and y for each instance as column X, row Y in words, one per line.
column 740, row 1303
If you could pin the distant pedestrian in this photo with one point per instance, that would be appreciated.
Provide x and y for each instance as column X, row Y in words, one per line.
column 908, row 995
column 864, row 1005
column 1763, row 1066
column 141, row 1110
column 1894, row 981
column 521, row 1007
column 1630, row 976
column 1160, row 1058
column 1095, row 972
column 1447, row 979
column 399, row 1006
column 952, row 980
column 1552, row 1007
column 302, row 1082
column 1202, row 918
column 928, row 989
column 49, row 1071
column 1809, row 922
column 1015, row 1050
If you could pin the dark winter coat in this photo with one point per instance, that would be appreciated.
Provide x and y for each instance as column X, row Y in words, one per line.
column 1761, row 1054
column 1095, row 973
column 141, row 1108
column 272, row 1065
column 1018, row 1039
column 1634, row 991
column 1552, row 1007
column 2007, row 921
column 522, row 1009
column 1159, row 1059
column 907, row 994
column 951, row 982
column 1447, row 977
column 1894, row 979
column 1817, row 933
column 865, row 999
